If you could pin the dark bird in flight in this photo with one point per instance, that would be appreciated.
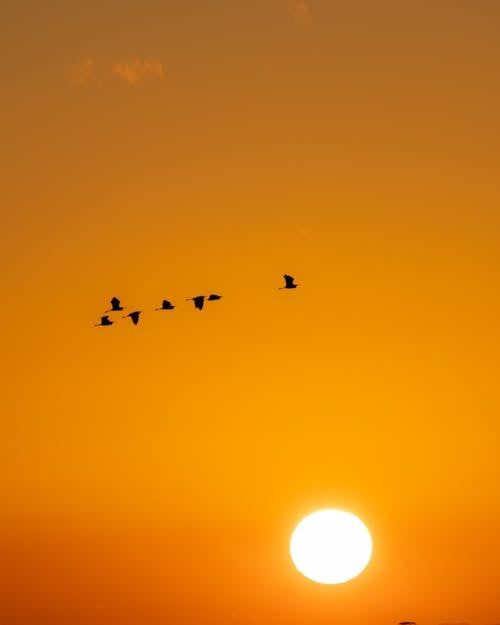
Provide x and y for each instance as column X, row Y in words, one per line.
column 407, row 623
column 134, row 316
column 199, row 300
column 289, row 283
column 166, row 305
column 105, row 321
column 213, row 297
column 115, row 305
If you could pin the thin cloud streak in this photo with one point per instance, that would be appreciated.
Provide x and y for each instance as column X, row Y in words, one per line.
column 136, row 70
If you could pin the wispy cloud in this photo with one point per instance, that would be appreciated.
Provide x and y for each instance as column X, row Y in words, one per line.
column 81, row 73
column 300, row 12
column 136, row 70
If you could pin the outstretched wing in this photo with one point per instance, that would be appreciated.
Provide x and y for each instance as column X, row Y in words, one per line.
column 199, row 301
column 288, row 281
column 115, row 303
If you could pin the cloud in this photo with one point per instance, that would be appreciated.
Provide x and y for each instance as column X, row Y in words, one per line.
column 300, row 13
column 132, row 70
column 81, row 73
column 135, row 70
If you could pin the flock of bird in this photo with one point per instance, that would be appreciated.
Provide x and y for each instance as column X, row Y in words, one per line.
column 198, row 300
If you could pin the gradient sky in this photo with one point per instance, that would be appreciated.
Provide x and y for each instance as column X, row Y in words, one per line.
column 160, row 149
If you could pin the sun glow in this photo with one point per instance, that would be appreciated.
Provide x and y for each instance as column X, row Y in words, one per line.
column 331, row 546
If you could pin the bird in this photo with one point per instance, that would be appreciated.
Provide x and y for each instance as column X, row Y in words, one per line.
column 134, row 316
column 166, row 305
column 289, row 283
column 407, row 623
column 199, row 300
column 105, row 321
column 213, row 297
column 115, row 305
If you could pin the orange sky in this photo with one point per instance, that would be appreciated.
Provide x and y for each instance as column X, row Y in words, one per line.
column 153, row 474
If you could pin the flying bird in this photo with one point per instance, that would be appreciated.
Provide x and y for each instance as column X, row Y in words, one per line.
column 199, row 300
column 166, row 305
column 105, row 321
column 289, row 283
column 213, row 297
column 407, row 623
column 134, row 316
column 115, row 305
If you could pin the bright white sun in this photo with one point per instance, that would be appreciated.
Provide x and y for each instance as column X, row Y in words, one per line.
column 331, row 546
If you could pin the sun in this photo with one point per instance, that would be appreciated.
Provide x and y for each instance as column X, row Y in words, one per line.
column 331, row 546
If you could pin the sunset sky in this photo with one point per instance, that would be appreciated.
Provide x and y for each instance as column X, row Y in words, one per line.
column 153, row 474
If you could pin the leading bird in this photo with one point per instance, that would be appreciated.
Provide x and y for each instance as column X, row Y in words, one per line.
column 289, row 282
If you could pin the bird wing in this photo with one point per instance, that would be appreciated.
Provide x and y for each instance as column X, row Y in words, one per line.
column 135, row 316
column 198, row 301
column 213, row 296
column 288, row 280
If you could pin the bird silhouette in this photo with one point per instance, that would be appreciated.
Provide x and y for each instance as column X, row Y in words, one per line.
column 105, row 321
column 289, row 283
column 166, row 305
column 199, row 300
column 134, row 316
column 212, row 297
column 407, row 623
column 115, row 305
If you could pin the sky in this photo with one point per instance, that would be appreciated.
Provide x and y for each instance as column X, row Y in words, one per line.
column 150, row 150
